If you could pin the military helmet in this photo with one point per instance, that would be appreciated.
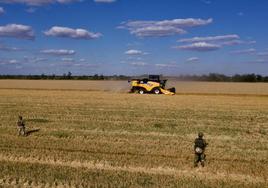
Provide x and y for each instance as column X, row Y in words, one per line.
column 200, row 134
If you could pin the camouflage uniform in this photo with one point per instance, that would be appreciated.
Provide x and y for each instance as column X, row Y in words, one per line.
column 21, row 127
column 199, row 148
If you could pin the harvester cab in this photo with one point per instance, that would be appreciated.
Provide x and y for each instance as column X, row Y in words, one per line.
column 152, row 84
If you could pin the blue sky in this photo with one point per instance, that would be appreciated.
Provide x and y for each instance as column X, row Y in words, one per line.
column 132, row 37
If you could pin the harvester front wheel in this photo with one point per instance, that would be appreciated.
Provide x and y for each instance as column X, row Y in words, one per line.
column 141, row 91
column 156, row 91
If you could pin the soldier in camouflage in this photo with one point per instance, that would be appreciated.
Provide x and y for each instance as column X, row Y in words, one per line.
column 199, row 148
column 21, row 126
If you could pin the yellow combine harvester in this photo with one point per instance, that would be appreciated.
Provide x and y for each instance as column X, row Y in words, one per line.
column 152, row 85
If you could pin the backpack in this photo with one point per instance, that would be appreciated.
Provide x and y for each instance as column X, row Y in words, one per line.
column 198, row 150
column 20, row 123
column 199, row 146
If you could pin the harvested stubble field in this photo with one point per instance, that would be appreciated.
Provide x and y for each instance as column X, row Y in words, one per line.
column 107, row 139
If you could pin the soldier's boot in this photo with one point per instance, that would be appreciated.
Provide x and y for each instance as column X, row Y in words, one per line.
column 19, row 132
column 196, row 160
column 23, row 132
column 202, row 163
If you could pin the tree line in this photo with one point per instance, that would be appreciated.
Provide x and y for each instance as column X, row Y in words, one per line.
column 65, row 76
column 212, row 77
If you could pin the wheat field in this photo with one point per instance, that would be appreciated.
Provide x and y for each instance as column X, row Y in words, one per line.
column 83, row 138
column 182, row 87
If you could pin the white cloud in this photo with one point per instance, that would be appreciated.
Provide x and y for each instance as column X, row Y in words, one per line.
column 232, row 42
column 134, row 58
column 61, row 52
column 34, row 59
column 211, row 38
column 82, row 60
column 19, row 67
column 66, row 32
column 224, row 40
column 261, row 61
column 251, row 42
column 192, row 60
column 13, row 61
column 258, row 61
column 206, row 2
column 135, row 52
column 162, row 28
column 199, row 46
column 138, row 63
column 246, row 51
column 105, row 1
column 38, row 2
column 31, row 10
column 240, row 13
column 157, row 31
column 66, row 59
column 9, row 62
column 263, row 54
column 2, row 11
column 17, row 31
column 7, row 48
column 39, row 59
column 165, row 65
column 237, row 42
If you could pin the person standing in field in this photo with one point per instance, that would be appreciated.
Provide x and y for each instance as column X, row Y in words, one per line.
column 21, row 126
column 199, row 148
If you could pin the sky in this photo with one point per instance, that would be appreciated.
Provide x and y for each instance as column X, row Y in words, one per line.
column 133, row 37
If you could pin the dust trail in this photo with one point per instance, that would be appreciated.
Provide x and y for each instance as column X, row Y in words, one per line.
column 92, row 85
column 159, row 170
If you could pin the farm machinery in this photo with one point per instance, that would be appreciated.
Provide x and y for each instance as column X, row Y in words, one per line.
column 153, row 84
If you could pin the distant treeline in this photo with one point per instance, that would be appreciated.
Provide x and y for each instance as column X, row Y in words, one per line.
column 212, row 77
column 67, row 76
